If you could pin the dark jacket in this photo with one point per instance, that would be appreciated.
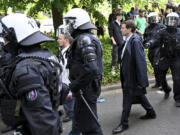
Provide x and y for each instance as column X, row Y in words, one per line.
column 85, row 63
column 85, row 72
column 150, row 33
column 33, row 83
column 169, row 39
column 5, row 58
column 179, row 17
column 111, row 18
column 134, row 67
column 115, row 31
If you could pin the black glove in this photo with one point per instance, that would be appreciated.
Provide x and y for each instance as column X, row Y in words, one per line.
column 64, row 92
column 72, row 88
column 147, row 45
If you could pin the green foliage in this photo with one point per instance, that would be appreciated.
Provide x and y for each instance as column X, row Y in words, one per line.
column 149, row 67
column 92, row 8
column 16, row 5
column 39, row 6
column 107, row 57
column 52, row 46
column 116, row 3
column 46, row 5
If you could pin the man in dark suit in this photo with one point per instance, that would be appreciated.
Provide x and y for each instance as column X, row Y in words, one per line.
column 133, row 76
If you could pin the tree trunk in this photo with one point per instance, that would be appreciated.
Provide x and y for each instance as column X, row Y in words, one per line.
column 5, row 10
column 114, row 5
column 57, row 16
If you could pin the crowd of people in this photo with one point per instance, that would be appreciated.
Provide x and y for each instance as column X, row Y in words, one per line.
column 129, row 34
column 34, row 82
column 140, row 17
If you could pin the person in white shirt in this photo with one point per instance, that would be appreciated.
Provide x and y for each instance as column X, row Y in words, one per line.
column 64, row 42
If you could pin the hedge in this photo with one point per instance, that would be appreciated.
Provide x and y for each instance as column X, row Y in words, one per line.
column 107, row 47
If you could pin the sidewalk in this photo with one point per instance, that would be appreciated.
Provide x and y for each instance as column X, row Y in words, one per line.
column 118, row 85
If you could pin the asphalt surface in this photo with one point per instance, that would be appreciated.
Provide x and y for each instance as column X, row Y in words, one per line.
column 166, row 123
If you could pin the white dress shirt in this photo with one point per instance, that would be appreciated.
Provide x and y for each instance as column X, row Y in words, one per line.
column 65, row 72
column 124, row 48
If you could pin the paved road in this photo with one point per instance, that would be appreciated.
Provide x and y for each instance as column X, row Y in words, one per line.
column 167, row 122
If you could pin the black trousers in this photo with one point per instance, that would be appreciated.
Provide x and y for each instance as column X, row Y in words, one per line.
column 164, row 84
column 128, row 100
column 84, row 119
column 153, row 59
column 174, row 65
column 115, row 54
column 175, row 69
column 157, row 73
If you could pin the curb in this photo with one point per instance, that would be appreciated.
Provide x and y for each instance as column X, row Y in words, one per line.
column 118, row 86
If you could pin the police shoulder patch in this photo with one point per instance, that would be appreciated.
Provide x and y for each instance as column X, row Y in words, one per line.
column 32, row 95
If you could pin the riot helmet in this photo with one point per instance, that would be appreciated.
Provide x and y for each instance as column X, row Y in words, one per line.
column 153, row 18
column 60, row 30
column 22, row 30
column 77, row 18
column 38, row 23
column 172, row 19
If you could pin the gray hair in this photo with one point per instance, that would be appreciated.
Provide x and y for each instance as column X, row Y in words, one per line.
column 68, row 37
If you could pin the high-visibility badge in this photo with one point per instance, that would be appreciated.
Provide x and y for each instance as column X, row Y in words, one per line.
column 32, row 95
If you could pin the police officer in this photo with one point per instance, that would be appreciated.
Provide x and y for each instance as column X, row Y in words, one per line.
column 33, row 83
column 169, row 38
column 85, row 67
column 154, row 53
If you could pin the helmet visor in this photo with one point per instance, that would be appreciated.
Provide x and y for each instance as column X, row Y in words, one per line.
column 68, row 25
column 172, row 21
column 153, row 19
column 3, row 29
column 59, row 31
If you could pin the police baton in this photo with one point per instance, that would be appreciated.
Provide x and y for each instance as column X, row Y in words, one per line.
column 89, row 108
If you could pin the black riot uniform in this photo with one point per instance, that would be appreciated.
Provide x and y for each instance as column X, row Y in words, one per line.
column 36, row 83
column 5, row 58
column 32, row 83
column 85, row 66
column 169, row 55
column 85, row 70
column 154, row 54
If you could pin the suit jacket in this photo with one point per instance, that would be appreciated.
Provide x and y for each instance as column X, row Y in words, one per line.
column 134, row 67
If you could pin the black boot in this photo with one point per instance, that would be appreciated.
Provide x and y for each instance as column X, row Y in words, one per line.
column 119, row 129
column 157, row 85
column 166, row 95
column 149, row 115
column 177, row 104
column 167, row 92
